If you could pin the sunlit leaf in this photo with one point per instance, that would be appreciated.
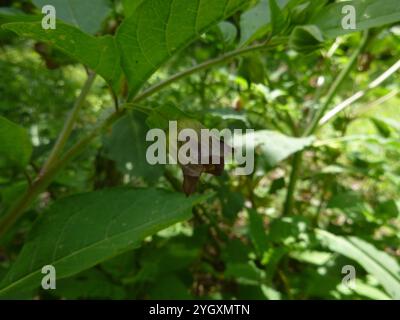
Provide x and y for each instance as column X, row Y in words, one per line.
column 378, row 263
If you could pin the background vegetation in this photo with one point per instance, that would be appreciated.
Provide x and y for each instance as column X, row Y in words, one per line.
column 76, row 191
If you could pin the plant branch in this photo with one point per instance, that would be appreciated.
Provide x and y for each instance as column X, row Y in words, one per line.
column 364, row 108
column 69, row 124
column 334, row 88
column 43, row 181
column 311, row 128
column 202, row 66
column 341, row 106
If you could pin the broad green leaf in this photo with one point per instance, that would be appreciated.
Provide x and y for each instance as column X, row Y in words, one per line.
column 83, row 230
column 127, row 145
column 369, row 14
column 254, row 22
column 15, row 144
column 274, row 146
column 378, row 263
column 159, row 28
column 98, row 53
column 86, row 15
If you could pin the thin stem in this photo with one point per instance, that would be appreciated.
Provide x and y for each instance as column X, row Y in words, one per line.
column 365, row 108
column 311, row 128
column 202, row 66
column 69, row 124
column 43, row 181
column 296, row 167
column 357, row 96
column 333, row 90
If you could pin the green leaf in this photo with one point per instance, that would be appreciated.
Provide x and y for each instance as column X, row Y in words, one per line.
column 378, row 263
column 252, row 69
column 90, row 284
column 244, row 273
column 98, row 53
column 254, row 22
column 257, row 232
column 306, row 38
column 8, row 15
column 347, row 202
column 130, row 6
column 277, row 17
column 126, row 144
column 81, row 231
column 161, row 116
column 382, row 127
column 170, row 287
column 273, row 146
column 369, row 14
column 86, row 15
column 388, row 209
column 288, row 230
column 160, row 28
column 369, row 291
column 228, row 31
column 15, row 144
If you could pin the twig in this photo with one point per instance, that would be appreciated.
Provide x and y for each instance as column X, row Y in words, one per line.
column 298, row 157
column 357, row 96
column 69, row 124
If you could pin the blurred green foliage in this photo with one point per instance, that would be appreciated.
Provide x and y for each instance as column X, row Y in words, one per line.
column 237, row 243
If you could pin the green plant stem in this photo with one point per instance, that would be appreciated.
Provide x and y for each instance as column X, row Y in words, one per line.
column 43, row 181
column 69, row 124
column 202, row 66
column 312, row 127
column 295, row 173
column 334, row 88
column 55, row 166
